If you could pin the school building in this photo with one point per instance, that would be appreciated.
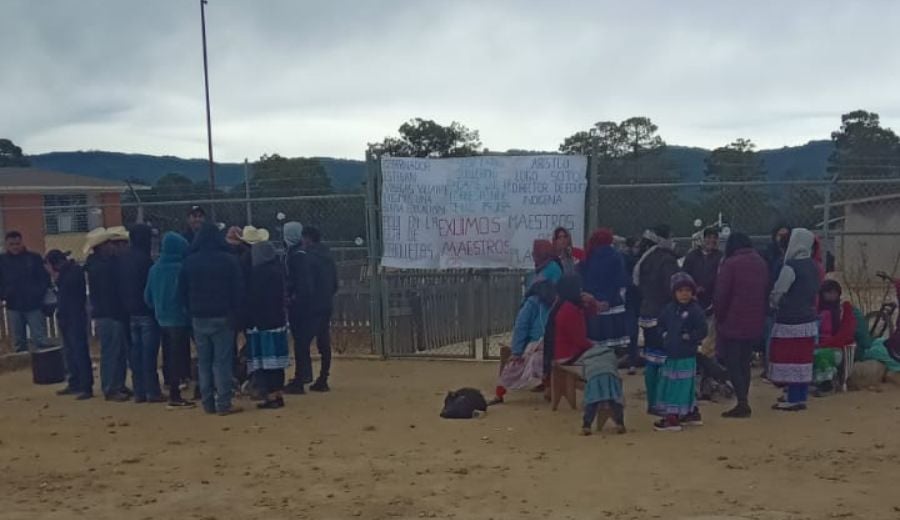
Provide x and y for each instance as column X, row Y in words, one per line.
column 54, row 210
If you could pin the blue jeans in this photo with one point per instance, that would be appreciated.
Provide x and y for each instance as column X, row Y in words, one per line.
column 35, row 322
column 113, row 355
column 78, row 355
column 144, row 354
column 215, row 362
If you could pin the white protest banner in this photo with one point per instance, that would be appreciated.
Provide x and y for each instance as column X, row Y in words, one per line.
column 478, row 212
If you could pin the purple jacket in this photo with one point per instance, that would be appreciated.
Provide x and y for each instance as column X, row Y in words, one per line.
column 741, row 300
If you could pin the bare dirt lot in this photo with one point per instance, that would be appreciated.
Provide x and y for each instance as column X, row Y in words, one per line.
column 375, row 448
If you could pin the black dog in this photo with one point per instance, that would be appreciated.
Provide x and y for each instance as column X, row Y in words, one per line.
column 463, row 403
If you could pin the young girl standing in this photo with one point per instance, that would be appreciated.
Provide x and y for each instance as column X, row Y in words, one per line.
column 683, row 325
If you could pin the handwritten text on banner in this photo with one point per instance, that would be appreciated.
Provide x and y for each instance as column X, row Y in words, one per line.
column 477, row 212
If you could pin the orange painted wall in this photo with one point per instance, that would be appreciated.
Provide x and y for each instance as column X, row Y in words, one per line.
column 29, row 220
column 112, row 214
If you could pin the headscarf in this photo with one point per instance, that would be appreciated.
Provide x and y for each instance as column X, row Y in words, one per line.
column 659, row 238
column 262, row 252
column 833, row 308
column 541, row 252
column 736, row 242
column 599, row 238
column 293, row 233
column 233, row 236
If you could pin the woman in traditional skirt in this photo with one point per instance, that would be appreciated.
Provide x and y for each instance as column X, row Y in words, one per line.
column 683, row 324
column 652, row 276
column 796, row 323
column 267, row 343
column 605, row 281
column 569, row 257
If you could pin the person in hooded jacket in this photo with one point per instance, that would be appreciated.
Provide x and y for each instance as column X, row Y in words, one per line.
column 794, row 333
column 315, row 311
column 163, row 294
column 213, row 285
column 133, row 267
column 71, row 316
column 740, row 305
column 267, row 344
column 110, row 319
column 298, row 287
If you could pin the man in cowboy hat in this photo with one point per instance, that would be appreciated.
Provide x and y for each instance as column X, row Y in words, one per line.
column 23, row 285
column 108, row 311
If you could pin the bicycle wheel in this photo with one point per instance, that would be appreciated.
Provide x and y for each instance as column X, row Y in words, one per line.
column 879, row 327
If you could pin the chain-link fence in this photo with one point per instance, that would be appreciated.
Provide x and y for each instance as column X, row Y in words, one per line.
column 340, row 218
column 857, row 220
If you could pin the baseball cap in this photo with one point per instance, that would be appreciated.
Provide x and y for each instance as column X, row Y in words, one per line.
column 197, row 210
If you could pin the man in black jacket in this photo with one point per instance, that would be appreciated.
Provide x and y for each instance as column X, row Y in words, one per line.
column 71, row 315
column 23, row 285
column 133, row 266
column 196, row 217
column 211, row 280
column 316, row 274
column 110, row 318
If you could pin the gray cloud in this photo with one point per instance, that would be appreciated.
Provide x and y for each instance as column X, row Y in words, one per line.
column 325, row 78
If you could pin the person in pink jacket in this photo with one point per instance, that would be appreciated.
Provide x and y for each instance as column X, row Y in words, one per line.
column 740, row 305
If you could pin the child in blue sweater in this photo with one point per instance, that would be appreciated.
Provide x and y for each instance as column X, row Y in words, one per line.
column 683, row 325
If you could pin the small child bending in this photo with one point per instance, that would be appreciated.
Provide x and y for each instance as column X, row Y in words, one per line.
column 683, row 326
column 575, row 353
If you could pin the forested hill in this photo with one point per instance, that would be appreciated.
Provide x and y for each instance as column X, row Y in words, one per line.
column 795, row 162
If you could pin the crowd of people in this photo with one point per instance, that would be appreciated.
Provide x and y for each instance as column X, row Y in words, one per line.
column 705, row 316
column 216, row 288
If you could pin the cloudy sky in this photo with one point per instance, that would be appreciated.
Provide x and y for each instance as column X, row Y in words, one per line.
column 326, row 77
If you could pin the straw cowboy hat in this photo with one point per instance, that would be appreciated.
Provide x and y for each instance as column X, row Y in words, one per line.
column 95, row 237
column 252, row 235
column 118, row 233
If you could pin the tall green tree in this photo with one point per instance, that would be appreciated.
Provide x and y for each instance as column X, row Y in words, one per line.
column 738, row 161
column 11, row 155
column 277, row 176
column 641, row 136
column 427, row 138
column 863, row 148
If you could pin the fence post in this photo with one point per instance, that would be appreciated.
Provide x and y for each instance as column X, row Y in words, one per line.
column 826, row 210
column 247, row 191
column 377, row 297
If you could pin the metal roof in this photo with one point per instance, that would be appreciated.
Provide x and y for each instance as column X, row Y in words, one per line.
column 35, row 180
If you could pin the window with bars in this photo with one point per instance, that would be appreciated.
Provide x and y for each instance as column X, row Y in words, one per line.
column 65, row 214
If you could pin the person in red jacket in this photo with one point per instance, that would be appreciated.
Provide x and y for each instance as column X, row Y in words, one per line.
column 837, row 329
column 569, row 325
column 740, row 305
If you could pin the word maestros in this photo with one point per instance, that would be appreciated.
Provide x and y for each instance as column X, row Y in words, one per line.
column 477, row 212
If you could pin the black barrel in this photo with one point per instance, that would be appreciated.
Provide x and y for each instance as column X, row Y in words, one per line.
column 47, row 366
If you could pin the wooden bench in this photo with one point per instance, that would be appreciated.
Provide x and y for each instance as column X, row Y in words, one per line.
column 564, row 383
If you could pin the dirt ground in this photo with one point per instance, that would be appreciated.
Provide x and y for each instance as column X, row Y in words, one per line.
column 375, row 448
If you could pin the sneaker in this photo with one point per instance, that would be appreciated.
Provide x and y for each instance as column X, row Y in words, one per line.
column 321, row 385
column 586, row 431
column 741, row 411
column 692, row 419
column 157, row 399
column 179, row 404
column 272, row 404
column 127, row 391
column 620, row 429
column 666, row 425
column 118, row 397
column 789, row 407
column 295, row 387
column 84, row 396
column 632, row 371
column 66, row 391
column 231, row 411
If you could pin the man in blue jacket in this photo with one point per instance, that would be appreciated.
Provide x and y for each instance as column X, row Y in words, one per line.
column 212, row 283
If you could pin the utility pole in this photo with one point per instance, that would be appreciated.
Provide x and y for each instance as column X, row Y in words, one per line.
column 247, row 191
column 212, row 168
